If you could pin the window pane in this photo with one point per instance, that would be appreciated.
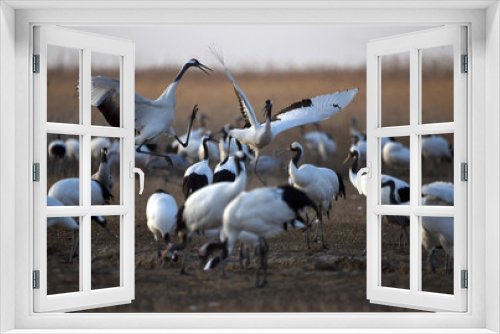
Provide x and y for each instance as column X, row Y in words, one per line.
column 105, row 252
column 106, row 105
column 395, row 90
column 105, row 170
column 437, row 169
column 395, row 178
column 437, row 254
column 437, row 84
column 63, row 174
column 63, row 267
column 395, row 252
column 63, row 73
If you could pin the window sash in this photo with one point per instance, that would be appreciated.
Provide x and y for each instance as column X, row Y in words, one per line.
column 412, row 43
column 86, row 297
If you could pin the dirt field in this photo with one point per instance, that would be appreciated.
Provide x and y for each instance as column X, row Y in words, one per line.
column 299, row 281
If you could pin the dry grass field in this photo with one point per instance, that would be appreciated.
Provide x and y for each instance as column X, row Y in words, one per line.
column 299, row 281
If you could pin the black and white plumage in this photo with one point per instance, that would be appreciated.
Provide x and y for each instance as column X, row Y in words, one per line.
column 213, row 150
column 227, row 169
column 97, row 144
column 57, row 149
column 247, row 240
column 261, row 212
column 396, row 194
column 153, row 119
column 161, row 214
column 402, row 221
column 65, row 222
column 402, row 189
column 322, row 185
column 396, row 155
column 359, row 144
column 258, row 136
column 203, row 210
column 198, row 175
column 437, row 148
column 67, row 191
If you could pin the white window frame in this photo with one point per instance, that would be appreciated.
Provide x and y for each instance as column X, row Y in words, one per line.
column 413, row 43
column 483, row 21
column 86, row 44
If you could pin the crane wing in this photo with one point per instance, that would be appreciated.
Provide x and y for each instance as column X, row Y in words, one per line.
column 312, row 110
column 105, row 95
column 245, row 106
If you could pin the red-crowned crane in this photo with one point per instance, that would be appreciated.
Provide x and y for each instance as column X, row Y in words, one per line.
column 396, row 155
column 67, row 191
column 153, row 119
column 321, row 185
column 161, row 213
column 261, row 212
column 65, row 222
column 199, row 174
column 258, row 136
column 203, row 210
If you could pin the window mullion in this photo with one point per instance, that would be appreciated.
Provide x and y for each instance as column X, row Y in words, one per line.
column 414, row 167
column 86, row 172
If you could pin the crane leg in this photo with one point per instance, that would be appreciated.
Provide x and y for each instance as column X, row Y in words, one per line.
column 158, row 253
column 193, row 117
column 74, row 246
column 448, row 265
column 432, row 259
column 255, row 168
column 247, row 262
column 308, row 225
column 263, row 248
column 184, row 254
column 322, row 236
column 315, row 239
column 241, row 256
column 156, row 154
column 405, row 230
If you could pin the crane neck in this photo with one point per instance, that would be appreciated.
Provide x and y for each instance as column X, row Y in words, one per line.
column 169, row 93
column 392, row 185
column 268, row 121
column 205, row 149
column 297, row 157
column 181, row 72
column 241, row 179
column 353, row 176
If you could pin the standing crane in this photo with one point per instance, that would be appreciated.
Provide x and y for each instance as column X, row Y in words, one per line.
column 322, row 185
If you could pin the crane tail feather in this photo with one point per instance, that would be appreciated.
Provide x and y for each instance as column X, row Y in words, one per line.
column 216, row 51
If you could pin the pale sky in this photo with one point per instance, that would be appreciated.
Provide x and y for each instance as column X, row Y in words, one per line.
column 248, row 47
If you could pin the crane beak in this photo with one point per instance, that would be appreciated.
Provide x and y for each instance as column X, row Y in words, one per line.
column 267, row 107
column 349, row 156
column 204, row 68
column 281, row 152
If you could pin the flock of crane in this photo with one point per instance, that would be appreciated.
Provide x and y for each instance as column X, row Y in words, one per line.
column 216, row 204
